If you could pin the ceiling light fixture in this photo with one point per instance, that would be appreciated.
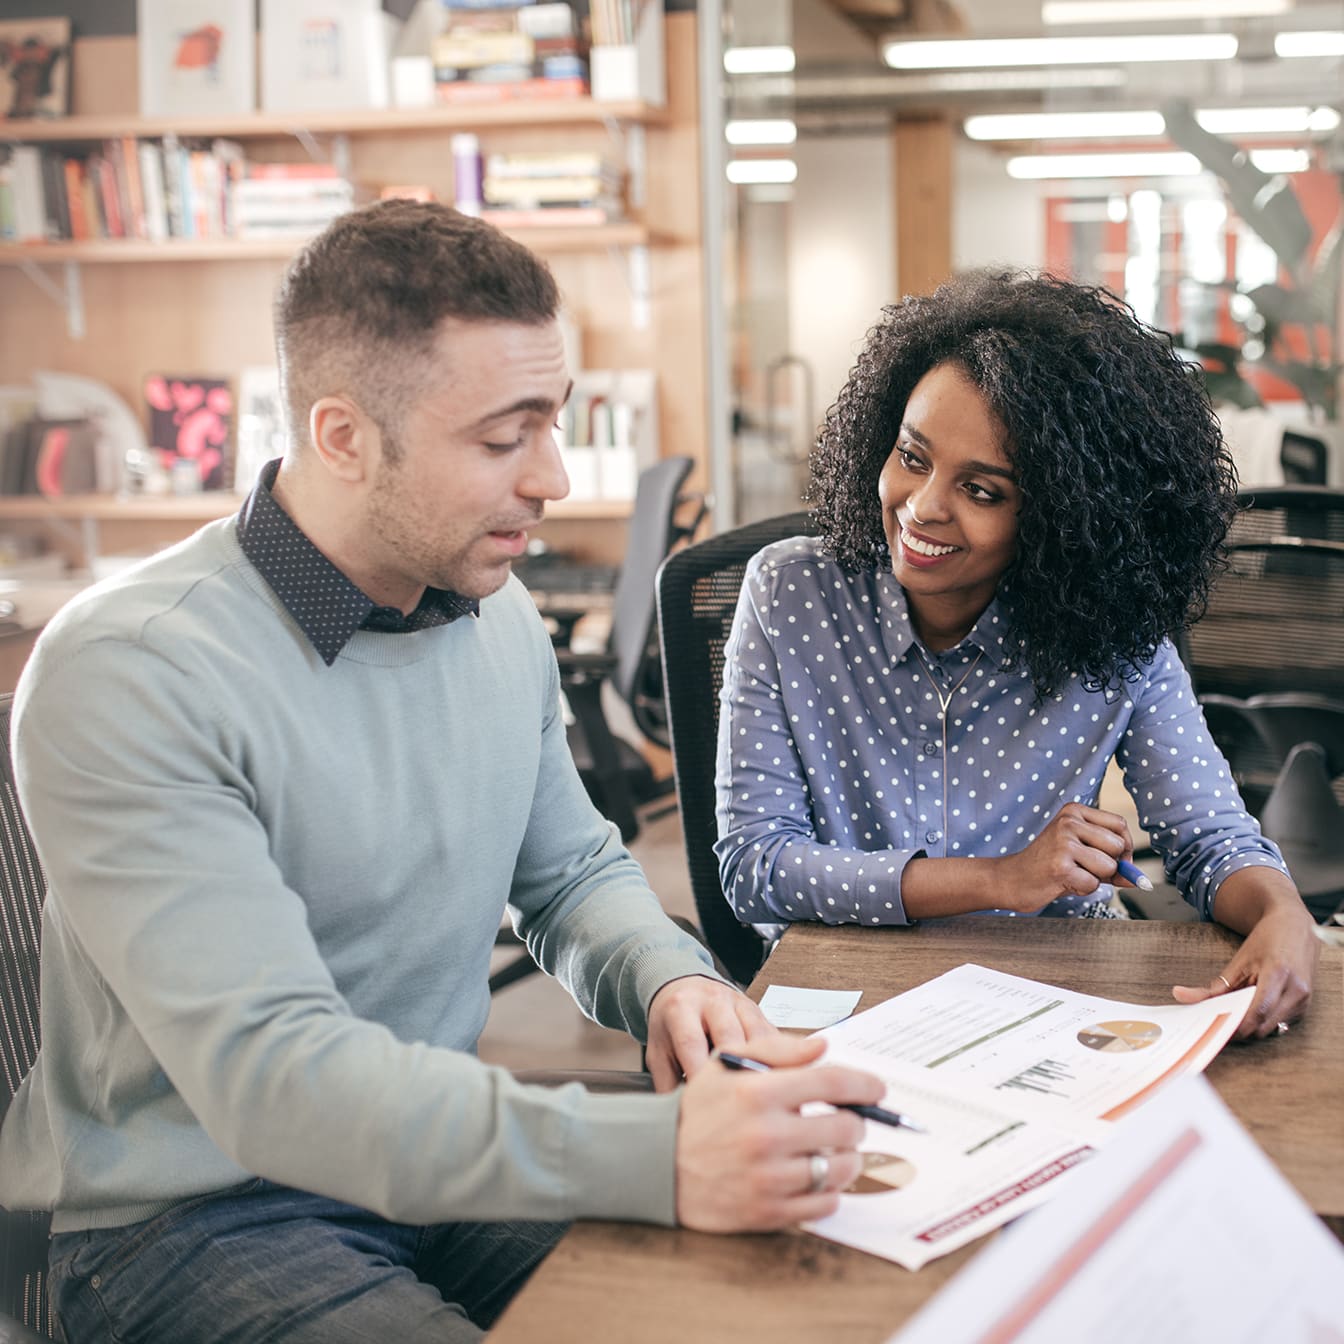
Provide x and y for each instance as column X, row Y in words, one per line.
column 1289, row 45
column 742, row 171
column 1148, row 122
column 777, row 132
column 957, row 53
column 758, row 60
column 1174, row 163
column 1149, row 11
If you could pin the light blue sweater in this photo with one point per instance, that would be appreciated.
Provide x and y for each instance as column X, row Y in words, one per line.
column 274, row 889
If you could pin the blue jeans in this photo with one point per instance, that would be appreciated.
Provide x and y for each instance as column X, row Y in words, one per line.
column 262, row 1264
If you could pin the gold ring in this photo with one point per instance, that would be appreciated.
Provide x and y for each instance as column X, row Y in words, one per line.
column 820, row 1169
column 1282, row 1028
column 1227, row 982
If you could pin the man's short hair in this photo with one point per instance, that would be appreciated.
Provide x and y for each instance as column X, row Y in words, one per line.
column 360, row 307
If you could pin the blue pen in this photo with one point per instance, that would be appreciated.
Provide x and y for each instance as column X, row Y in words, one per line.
column 1133, row 873
column 882, row 1116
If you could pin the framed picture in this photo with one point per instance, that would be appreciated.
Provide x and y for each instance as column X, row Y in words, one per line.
column 324, row 54
column 261, row 423
column 197, row 57
column 34, row 67
column 190, row 421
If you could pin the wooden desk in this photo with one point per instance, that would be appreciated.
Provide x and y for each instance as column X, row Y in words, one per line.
column 612, row 1283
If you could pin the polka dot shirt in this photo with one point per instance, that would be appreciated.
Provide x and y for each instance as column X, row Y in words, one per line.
column 831, row 768
column 327, row 607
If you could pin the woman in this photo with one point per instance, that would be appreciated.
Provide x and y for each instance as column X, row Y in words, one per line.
column 1021, row 493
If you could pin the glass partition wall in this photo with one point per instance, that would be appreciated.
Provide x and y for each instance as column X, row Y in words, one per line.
column 1093, row 164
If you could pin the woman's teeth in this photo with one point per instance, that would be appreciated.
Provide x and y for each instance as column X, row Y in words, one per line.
column 923, row 547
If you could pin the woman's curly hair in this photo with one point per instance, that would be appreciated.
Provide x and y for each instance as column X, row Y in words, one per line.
column 1127, row 488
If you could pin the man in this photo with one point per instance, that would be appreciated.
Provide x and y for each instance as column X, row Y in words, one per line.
column 283, row 780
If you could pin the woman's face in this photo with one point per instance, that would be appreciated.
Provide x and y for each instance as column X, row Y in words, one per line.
column 949, row 505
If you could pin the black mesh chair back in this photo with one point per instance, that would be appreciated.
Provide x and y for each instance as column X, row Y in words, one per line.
column 23, row 1236
column 698, row 589
column 1275, row 619
column 634, row 630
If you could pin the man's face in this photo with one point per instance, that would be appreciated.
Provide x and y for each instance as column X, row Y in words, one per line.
column 476, row 462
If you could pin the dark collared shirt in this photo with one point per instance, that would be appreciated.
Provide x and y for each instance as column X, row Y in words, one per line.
column 326, row 605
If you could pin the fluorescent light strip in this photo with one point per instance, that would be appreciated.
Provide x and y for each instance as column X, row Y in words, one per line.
column 1267, row 120
column 1289, row 45
column 1174, row 163
column 758, row 60
column 1148, row 122
column 778, row 132
column 742, row 171
column 1146, row 11
column 954, row 53
column 1064, row 125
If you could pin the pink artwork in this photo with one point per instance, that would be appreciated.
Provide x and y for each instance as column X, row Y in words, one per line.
column 190, row 420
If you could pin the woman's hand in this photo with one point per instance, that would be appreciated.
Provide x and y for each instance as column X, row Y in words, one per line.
column 1279, row 954
column 1072, row 856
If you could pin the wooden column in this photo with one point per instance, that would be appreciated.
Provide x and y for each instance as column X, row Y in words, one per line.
column 922, row 180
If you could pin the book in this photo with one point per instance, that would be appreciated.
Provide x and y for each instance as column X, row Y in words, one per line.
column 541, row 191
column 476, row 91
column 548, row 217
column 151, row 181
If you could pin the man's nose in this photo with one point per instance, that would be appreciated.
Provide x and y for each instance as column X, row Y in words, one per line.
column 545, row 477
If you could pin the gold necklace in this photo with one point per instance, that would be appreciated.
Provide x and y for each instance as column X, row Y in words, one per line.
column 944, row 702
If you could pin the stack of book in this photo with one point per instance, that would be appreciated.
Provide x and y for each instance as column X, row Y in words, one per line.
column 155, row 190
column 495, row 49
column 126, row 188
column 289, row 200
column 561, row 187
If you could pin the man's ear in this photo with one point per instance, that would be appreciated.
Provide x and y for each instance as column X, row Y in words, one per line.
column 345, row 439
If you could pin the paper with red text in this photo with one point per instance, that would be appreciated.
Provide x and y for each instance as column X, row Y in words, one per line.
column 1015, row 1082
column 1182, row 1230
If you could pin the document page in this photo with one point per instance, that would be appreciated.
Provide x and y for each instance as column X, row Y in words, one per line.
column 1181, row 1231
column 980, row 1160
column 1076, row 1056
column 1013, row 1083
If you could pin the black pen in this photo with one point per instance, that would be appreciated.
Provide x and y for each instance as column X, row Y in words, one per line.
column 878, row 1113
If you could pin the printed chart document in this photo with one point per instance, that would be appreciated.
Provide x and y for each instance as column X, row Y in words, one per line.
column 1181, row 1232
column 1014, row 1083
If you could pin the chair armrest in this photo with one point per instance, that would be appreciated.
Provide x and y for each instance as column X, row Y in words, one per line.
column 581, row 667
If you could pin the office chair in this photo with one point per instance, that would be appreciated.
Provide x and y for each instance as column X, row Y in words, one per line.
column 1287, row 756
column 23, row 1236
column 618, row 778
column 698, row 589
column 1275, row 617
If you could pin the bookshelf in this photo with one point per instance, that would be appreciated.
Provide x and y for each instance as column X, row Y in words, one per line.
column 581, row 238
column 203, row 306
column 457, row 117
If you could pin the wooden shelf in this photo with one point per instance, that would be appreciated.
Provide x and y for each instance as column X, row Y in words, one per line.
column 261, row 125
column 97, row 251
column 211, row 504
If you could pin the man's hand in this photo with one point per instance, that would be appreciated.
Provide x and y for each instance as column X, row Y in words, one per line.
column 693, row 1015
column 745, row 1154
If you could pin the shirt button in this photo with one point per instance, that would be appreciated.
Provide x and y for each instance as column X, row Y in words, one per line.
column 931, row 748
column 932, row 837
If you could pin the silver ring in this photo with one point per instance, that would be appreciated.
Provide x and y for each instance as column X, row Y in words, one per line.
column 1282, row 1028
column 820, row 1168
column 1227, row 982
